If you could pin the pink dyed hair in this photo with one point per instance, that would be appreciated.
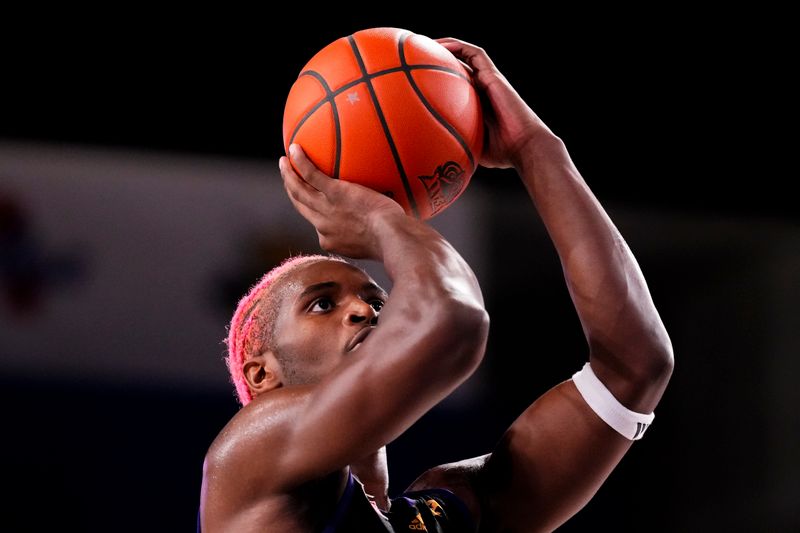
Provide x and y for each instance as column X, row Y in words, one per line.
column 251, row 325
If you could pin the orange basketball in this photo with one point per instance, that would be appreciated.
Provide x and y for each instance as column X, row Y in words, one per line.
column 391, row 110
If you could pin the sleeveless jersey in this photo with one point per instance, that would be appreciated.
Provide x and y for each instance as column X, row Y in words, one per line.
column 431, row 510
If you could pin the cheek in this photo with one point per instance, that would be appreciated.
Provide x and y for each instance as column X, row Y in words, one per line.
column 309, row 353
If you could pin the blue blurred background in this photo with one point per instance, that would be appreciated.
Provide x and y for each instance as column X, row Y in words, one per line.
column 140, row 198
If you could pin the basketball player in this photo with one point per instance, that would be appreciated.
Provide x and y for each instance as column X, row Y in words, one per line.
column 330, row 370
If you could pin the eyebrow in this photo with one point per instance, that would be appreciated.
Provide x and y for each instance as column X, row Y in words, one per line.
column 370, row 286
column 317, row 287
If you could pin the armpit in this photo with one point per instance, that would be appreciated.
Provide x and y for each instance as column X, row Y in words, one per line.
column 458, row 478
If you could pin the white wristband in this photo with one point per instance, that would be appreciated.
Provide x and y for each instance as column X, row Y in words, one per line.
column 627, row 423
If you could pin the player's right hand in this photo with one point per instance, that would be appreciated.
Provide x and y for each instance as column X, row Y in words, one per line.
column 343, row 213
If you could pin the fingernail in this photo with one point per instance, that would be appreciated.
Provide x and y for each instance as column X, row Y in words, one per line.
column 293, row 150
column 280, row 163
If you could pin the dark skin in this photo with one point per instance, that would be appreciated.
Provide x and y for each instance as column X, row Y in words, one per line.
column 282, row 461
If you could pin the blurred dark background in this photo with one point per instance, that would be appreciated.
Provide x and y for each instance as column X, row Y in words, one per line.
column 671, row 119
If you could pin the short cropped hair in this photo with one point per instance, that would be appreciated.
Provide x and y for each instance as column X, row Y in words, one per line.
column 252, row 325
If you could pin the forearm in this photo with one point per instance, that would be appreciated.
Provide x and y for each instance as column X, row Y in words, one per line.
column 619, row 319
column 358, row 222
column 433, row 324
column 422, row 265
column 435, row 317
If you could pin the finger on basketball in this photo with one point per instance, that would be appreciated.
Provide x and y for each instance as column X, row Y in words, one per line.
column 474, row 56
column 308, row 172
column 299, row 191
column 305, row 211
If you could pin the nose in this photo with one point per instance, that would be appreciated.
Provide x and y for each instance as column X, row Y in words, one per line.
column 359, row 312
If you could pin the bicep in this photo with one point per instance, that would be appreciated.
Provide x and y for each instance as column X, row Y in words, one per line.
column 550, row 462
column 372, row 399
column 396, row 376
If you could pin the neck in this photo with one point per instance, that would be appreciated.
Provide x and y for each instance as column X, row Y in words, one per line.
column 373, row 472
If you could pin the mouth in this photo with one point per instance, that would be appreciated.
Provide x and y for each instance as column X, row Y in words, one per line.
column 358, row 338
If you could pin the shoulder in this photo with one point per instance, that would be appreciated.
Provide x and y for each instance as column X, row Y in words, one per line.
column 460, row 478
column 237, row 473
column 237, row 451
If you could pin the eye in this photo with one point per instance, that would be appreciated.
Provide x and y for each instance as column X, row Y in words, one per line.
column 321, row 305
column 377, row 305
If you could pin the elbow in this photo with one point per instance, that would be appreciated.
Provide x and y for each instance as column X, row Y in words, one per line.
column 475, row 325
column 468, row 333
column 661, row 361
column 658, row 366
column 667, row 365
column 638, row 375
column 640, row 383
column 660, row 371
column 642, row 358
column 455, row 333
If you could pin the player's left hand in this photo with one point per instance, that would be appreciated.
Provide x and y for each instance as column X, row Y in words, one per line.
column 511, row 125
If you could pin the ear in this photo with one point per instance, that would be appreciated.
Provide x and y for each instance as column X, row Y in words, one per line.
column 262, row 373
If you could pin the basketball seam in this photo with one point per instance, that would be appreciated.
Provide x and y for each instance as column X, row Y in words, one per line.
column 338, row 151
column 385, row 125
column 431, row 110
column 368, row 77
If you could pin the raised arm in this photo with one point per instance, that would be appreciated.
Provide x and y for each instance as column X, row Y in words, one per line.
column 557, row 454
column 433, row 323
column 430, row 338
